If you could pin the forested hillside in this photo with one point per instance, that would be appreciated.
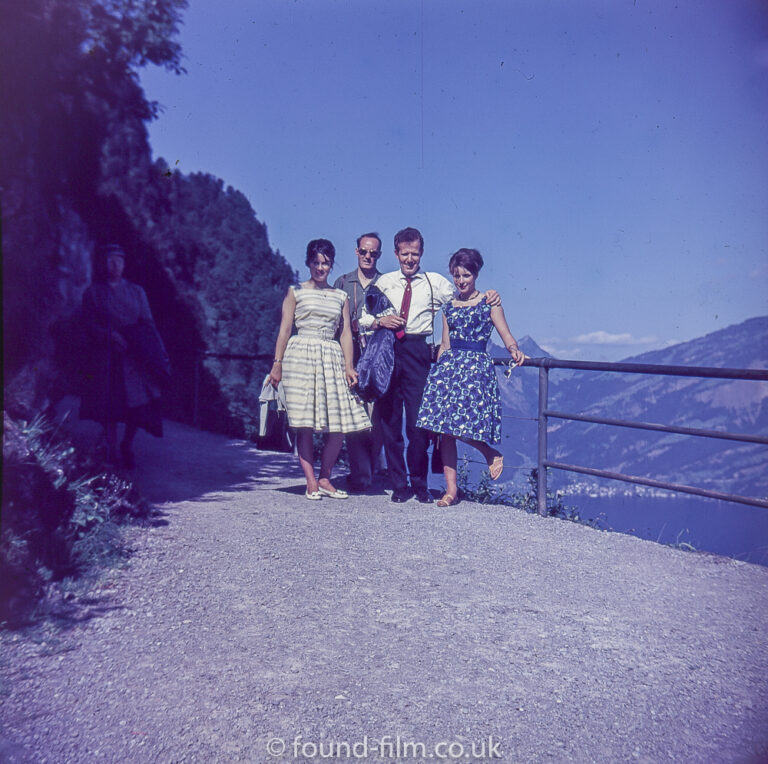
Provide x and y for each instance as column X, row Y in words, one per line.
column 76, row 171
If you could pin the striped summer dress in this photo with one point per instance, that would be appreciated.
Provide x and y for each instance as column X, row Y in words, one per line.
column 316, row 391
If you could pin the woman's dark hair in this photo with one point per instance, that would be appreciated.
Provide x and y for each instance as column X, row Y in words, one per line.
column 470, row 259
column 320, row 247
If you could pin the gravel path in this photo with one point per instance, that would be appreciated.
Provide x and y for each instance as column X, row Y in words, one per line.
column 253, row 615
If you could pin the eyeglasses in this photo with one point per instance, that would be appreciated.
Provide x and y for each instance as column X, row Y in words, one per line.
column 374, row 253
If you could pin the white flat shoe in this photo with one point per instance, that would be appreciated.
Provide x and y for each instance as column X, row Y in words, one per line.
column 337, row 494
column 314, row 496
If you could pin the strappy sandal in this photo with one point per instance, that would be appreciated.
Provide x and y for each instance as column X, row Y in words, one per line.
column 496, row 466
column 446, row 501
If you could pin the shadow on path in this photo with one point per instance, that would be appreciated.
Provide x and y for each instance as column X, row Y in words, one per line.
column 190, row 464
column 187, row 463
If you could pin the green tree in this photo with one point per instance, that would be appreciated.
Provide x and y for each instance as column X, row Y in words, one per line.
column 67, row 78
column 76, row 169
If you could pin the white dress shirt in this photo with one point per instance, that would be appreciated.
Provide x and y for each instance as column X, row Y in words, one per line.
column 429, row 292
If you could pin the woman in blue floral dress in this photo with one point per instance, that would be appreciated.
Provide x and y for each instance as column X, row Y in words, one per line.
column 461, row 399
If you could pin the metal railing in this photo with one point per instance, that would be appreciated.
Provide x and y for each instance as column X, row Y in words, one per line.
column 544, row 413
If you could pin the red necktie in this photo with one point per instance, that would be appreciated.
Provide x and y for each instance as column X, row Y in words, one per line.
column 405, row 307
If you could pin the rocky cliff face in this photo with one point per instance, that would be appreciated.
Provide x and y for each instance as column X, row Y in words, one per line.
column 213, row 283
column 46, row 269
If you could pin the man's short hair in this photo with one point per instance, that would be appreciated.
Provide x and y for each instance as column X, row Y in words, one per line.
column 371, row 235
column 409, row 235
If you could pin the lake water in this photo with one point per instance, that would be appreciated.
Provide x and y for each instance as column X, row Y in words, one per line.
column 722, row 527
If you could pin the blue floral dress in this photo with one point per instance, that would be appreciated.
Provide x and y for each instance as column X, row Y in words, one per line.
column 462, row 397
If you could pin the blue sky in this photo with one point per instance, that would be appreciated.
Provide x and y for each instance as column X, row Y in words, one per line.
column 609, row 159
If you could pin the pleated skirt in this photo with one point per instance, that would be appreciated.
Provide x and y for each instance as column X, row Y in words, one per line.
column 317, row 395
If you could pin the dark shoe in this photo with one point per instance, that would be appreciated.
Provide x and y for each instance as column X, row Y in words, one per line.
column 424, row 496
column 399, row 495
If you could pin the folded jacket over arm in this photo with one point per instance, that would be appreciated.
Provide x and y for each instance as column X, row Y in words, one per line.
column 374, row 369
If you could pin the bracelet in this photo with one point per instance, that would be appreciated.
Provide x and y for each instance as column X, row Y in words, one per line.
column 278, row 360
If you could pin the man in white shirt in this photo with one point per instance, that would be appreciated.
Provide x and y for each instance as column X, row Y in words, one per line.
column 416, row 297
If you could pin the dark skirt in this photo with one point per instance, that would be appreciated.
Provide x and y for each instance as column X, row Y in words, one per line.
column 103, row 398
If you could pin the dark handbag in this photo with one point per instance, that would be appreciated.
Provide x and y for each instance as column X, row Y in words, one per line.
column 278, row 435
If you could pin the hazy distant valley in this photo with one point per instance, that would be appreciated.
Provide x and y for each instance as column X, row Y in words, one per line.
column 734, row 406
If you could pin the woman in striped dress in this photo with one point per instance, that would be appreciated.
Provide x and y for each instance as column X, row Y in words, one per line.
column 317, row 372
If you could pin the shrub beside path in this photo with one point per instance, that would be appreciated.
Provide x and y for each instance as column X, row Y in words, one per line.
column 249, row 614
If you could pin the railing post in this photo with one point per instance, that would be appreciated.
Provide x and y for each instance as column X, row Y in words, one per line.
column 542, row 456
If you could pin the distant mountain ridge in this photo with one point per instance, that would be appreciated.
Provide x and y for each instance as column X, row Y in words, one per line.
column 727, row 405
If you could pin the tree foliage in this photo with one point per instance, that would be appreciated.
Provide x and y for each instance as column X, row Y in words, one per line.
column 61, row 516
column 76, row 170
column 67, row 80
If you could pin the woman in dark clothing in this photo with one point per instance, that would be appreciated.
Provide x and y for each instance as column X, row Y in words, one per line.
column 129, row 361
